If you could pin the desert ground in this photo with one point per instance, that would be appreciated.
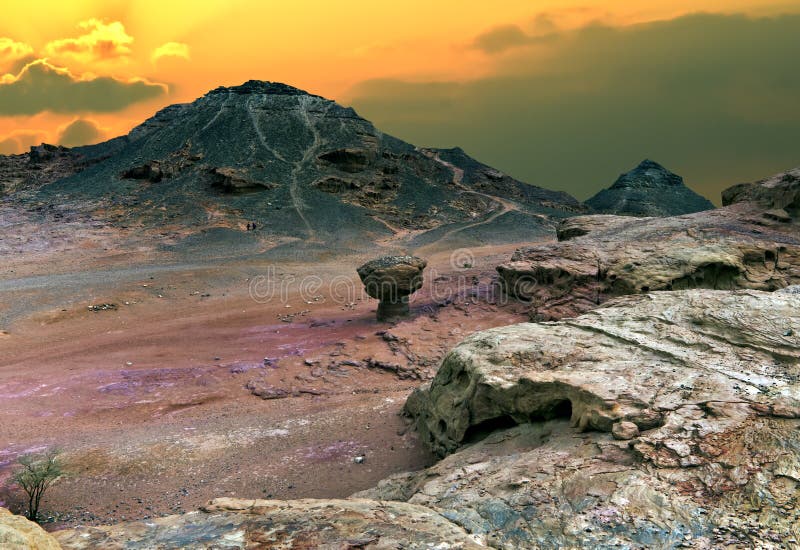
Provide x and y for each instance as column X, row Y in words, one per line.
column 144, row 370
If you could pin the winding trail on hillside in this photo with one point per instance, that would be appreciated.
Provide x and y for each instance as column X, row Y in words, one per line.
column 505, row 206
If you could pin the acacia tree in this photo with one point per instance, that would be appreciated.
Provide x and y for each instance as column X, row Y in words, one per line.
column 38, row 472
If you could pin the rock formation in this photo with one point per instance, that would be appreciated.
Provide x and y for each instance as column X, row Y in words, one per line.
column 392, row 279
column 779, row 192
column 600, row 257
column 240, row 524
column 17, row 533
column 649, row 190
column 656, row 421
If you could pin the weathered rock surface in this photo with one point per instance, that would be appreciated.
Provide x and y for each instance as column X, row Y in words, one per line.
column 776, row 193
column 708, row 378
column 578, row 226
column 740, row 246
column 392, row 279
column 17, row 533
column 318, row 524
column 649, row 190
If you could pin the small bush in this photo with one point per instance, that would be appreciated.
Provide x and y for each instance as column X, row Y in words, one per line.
column 36, row 475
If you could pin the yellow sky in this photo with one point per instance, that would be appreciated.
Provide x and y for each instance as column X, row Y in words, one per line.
column 322, row 46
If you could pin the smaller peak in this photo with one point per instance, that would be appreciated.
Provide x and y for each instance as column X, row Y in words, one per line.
column 648, row 164
column 260, row 87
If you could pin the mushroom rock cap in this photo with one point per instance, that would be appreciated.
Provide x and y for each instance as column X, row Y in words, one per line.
column 391, row 277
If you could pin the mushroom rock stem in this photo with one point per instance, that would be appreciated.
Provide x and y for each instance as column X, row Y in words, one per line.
column 393, row 310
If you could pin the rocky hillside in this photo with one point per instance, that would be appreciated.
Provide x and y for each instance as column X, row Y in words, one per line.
column 648, row 190
column 309, row 172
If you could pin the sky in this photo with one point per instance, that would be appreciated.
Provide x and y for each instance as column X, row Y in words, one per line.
column 565, row 94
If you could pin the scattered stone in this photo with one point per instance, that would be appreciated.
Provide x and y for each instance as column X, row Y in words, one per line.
column 103, row 307
column 266, row 391
column 624, row 430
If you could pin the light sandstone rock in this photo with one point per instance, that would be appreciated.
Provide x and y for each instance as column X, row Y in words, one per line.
column 319, row 524
column 17, row 533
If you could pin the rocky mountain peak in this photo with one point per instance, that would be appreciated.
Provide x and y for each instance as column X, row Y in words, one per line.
column 648, row 190
column 647, row 174
column 260, row 87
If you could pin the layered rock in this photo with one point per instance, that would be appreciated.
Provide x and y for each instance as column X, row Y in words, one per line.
column 240, row 524
column 649, row 190
column 656, row 421
column 17, row 533
column 746, row 245
column 392, row 279
column 780, row 192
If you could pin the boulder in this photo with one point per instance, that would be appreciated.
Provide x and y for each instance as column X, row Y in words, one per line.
column 17, row 533
column 392, row 279
column 325, row 524
column 529, row 416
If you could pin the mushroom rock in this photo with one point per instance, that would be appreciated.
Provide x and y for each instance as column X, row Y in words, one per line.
column 392, row 279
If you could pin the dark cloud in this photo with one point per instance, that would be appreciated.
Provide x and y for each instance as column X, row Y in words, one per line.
column 713, row 97
column 40, row 86
column 80, row 132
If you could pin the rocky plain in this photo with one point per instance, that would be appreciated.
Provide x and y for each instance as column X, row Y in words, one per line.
column 191, row 314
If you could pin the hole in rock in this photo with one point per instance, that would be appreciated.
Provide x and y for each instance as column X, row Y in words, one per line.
column 557, row 409
column 484, row 429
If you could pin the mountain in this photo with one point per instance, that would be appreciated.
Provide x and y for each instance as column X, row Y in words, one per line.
column 310, row 173
column 649, row 190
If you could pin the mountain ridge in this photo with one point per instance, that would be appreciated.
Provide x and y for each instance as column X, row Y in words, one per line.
column 306, row 170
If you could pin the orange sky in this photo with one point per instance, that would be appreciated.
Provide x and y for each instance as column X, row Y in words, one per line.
column 322, row 46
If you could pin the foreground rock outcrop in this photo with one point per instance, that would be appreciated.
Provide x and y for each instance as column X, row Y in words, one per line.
column 745, row 245
column 702, row 387
column 320, row 524
column 649, row 190
column 17, row 533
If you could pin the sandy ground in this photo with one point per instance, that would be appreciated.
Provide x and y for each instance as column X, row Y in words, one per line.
column 149, row 400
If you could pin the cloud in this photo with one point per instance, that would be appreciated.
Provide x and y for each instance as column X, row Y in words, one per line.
column 10, row 50
column 101, row 41
column 80, row 131
column 20, row 141
column 506, row 37
column 170, row 49
column 41, row 86
column 713, row 97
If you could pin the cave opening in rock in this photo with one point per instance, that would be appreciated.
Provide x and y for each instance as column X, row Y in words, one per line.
column 482, row 430
column 561, row 409
column 557, row 410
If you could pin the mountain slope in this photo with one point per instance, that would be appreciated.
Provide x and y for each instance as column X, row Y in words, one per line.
column 306, row 170
column 649, row 190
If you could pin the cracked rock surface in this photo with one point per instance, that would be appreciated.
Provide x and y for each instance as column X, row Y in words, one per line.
column 308, row 523
column 708, row 378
